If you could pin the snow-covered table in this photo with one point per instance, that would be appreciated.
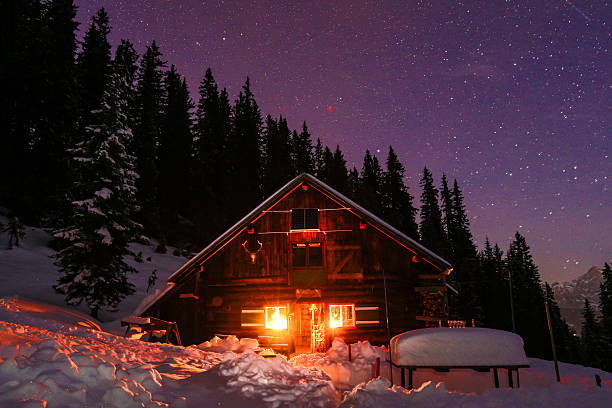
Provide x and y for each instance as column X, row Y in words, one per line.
column 443, row 349
column 151, row 324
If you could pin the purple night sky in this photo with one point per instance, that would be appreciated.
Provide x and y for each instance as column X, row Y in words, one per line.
column 510, row 98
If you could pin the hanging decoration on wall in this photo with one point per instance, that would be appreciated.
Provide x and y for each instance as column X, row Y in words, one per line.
column 252, row 252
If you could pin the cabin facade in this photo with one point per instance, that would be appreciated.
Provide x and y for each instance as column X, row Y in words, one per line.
column 306, row 265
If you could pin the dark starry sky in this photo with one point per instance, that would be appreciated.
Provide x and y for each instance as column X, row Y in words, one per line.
column 512, row 98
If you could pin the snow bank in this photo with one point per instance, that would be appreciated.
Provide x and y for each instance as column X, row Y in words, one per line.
column 60, row 363
column 251, row 379
column 345, row 374
column 377, row 393
column 229, row 343
column 472, row 346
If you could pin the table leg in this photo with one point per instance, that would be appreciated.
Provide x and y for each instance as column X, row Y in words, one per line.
column 410, row 378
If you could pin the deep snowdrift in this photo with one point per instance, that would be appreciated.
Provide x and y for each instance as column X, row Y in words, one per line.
column 62, row 364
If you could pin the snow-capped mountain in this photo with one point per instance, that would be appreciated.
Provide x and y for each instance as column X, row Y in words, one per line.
column 571, row 295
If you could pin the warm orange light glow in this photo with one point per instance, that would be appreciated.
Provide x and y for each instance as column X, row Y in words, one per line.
column 342, row 315
column 276, row 317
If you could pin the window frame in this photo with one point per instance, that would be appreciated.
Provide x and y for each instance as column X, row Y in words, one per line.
column 279, row 307
column 304, row 220
column 308, row 245
column 342, row 306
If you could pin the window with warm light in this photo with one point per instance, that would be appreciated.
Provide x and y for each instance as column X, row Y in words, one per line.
column 276, row 317
column 342, row 315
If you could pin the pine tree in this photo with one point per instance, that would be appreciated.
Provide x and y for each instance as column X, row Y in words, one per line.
column 430, row 229
column 370, row 184
column 54, row 128
column 245, row 148
column 449, row 217
column 528, row 297
column 464, row 258
column 493, row 290
column 318, row 160
column 15, row 231
column 284, row 164
column 37, row 104
column 605, row 307
column 175, row 146
column 593, row 345
column 94, row 64
column 301, row 152
column 20, row 34
column 353, row 183
column 327, row 165
column 276, row 155
column 126, row 67
column 210, row 186
column 565, row 340
column 337, row 175
column 147, row 129
column 397, row 208
column 92, row 265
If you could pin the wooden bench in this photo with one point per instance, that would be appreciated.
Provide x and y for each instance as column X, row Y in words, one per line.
column 480, row 369
column 281, row 344
column 151, row 324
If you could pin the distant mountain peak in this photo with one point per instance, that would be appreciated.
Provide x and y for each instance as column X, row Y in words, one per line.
column 571, row 295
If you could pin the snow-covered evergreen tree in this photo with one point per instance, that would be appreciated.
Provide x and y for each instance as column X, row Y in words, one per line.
column 92, row 265
column 15, row 231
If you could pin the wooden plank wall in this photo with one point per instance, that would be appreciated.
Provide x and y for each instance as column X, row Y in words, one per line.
column 354, row 259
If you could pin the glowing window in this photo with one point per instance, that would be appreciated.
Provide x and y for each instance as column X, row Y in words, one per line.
column 276, row 317
column 342, row 315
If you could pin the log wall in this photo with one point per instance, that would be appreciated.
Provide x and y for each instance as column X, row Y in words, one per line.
column 211, row 300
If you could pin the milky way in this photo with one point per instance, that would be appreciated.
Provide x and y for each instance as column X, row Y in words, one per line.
column 510, row 98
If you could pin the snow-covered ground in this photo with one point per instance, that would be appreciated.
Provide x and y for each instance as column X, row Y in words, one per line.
column 55, row 356
column 28, row 271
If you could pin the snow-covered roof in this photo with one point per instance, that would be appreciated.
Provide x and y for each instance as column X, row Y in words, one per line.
column 408, row 242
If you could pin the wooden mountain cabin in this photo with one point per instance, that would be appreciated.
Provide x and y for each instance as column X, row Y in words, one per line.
column 306, row 265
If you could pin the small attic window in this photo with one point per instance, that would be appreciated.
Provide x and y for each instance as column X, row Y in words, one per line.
column 305, row 219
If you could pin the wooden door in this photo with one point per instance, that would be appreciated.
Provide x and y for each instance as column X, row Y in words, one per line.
column 310, row 333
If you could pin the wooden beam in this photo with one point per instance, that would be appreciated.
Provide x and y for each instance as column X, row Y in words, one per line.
column 342, row 263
